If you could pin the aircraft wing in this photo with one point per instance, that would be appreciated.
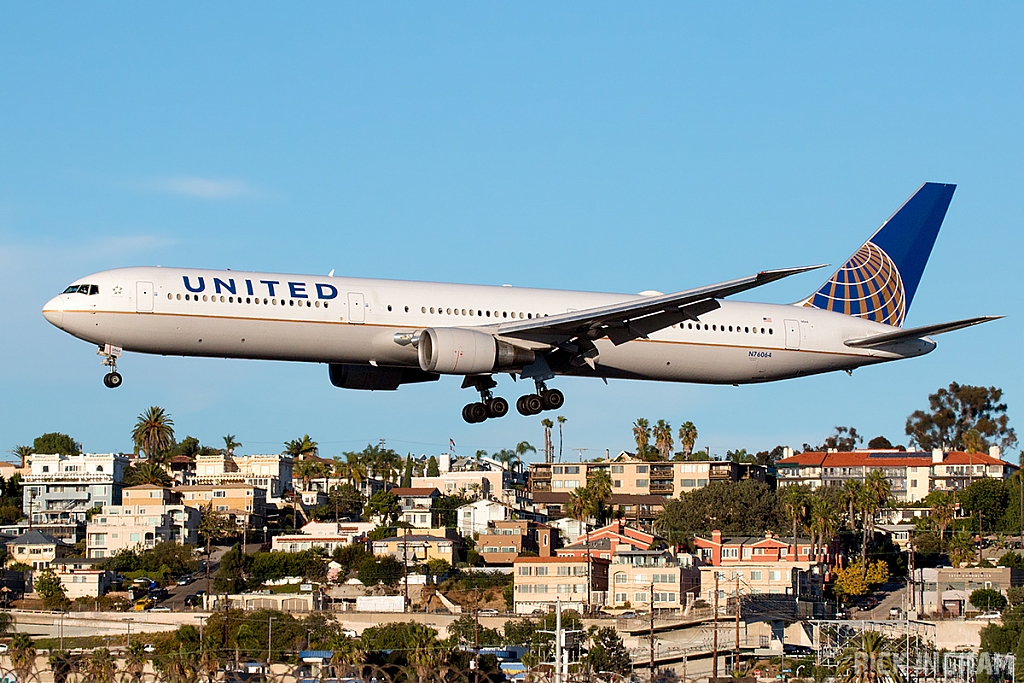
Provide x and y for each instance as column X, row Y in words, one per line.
column 918, row 332
column 637, row 318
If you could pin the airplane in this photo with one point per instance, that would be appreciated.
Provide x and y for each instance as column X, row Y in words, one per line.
column 380, row 334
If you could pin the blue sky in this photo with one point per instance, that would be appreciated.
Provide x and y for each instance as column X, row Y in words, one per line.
column 586, row 146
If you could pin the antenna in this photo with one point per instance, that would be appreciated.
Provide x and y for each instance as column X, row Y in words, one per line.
column 331, row 274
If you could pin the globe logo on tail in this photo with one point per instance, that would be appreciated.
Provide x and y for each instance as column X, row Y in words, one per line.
column 867, row 286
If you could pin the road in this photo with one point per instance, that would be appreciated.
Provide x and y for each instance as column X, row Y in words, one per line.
column 176, row 599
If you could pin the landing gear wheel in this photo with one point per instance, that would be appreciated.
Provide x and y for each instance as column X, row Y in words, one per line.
column 553, row 399
column 477, row 411
column 531, row 404
column 465, row 413
column 112, row 380
column 497, row 407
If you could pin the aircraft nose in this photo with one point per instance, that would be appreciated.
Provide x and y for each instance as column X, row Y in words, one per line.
column 53, row 311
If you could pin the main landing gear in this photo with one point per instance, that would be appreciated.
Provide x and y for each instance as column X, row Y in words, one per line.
column 544, row 399
column 488, row 406
column 494, row 406
column 111, row 380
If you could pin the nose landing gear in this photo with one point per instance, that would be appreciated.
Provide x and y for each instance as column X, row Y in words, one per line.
column 111, row 380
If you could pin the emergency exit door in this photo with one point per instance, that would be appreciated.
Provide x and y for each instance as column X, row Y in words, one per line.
column 356, row 307
column 144, row 297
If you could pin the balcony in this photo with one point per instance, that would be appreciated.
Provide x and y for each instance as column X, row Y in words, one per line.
column 661, row 471
column 662, row 488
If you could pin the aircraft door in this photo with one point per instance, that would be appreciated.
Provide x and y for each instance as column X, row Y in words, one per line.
column 793, row 334
column 356, row 307
column 144, row 297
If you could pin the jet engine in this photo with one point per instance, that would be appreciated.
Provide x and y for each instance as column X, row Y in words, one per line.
column 376, row 379
column 458, row 351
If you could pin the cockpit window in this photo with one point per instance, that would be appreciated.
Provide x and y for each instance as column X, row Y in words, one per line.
column 82, row 289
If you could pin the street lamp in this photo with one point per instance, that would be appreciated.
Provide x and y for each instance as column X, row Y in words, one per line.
column 270, row 640
column 128, row 643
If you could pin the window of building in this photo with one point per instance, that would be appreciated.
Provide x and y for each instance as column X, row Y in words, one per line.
column 642, row 483
column 641, row 469
column 621, row 597
column 640, row 597
column 755, row 575
column 616, row 469
column 730, row 553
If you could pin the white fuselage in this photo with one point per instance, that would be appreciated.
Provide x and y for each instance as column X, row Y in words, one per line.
column 273, row 316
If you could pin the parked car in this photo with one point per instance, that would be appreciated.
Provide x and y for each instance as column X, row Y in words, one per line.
column 349, row 633
column 3, row 647
column 895, row 613
column 988, row 616
column 149, row 648
column 489, row 612
column 142, row 605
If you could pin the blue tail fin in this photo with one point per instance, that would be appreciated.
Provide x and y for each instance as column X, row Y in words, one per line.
column 879, row 281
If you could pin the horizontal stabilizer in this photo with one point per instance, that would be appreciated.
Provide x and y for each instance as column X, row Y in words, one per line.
column 918, row 332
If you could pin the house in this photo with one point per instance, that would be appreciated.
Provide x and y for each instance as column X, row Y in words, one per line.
column 82, row 577
column 764, row 565
column 607, row 540
column 272, row 473
column 503, row 541
column 722, row 550
column 417, row 546
column 416, row 504
column 952, row 587
column 149, row 515
column 640, row 578
column 540, row 582
column 474, row 518
column 62, row 488
column 244, row 503
column 326, row 535
column 36, row 549
column 638, row 511
column 912, row 475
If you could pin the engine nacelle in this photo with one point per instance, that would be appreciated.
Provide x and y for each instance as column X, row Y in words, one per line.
column 376, row 379
column 458, row 351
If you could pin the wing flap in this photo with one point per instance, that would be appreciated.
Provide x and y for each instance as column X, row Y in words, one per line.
column 918, row 332
column 638, row 317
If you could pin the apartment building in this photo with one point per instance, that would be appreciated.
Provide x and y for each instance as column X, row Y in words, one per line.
column 503, row 541
column 36, row 549
column 272, row 473
column 540, row 582
column 605, row 541
column 475, row 517
column 762, row 564
column 147, row 516
column 636, row 510
column 326, row 535
column 244, row 503
column 631, row 476
column 722, row 550
column 60, row 489
column 642, row 578
column 416, row 505
column 912, row 475
column 417, row 546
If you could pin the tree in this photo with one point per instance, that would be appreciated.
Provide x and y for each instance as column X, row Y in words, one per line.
column 55, row 443
column 547, row 424
column 432, row 469
column 444, row 510
column 607, row 652
column 352, row 468
column 843, row 439
column 955, row 411
column 795, row 501
column 300, row 449
column 230, row 445
column 988, row 599
column 879, row 443
column 961, row 549
column 407, row 475
column 347, row 501
column 384, row 506
column 373, row 570
column 522, row 448
column 22, row 453
column 22, row 652
column 599, row 485
column 464, row 631
column 308, row 470
column 687, row 438
column 743, row 507
column 101, row 667
column 48, row 585
column 824, row 520
column 213, row 526
column 146, row 472
column 232, row 577
column 642, row 436
column 874, row 495
column 868, row 660
column 662, row 432
column 1012, row 559
column 153, row 432
column 561, row 421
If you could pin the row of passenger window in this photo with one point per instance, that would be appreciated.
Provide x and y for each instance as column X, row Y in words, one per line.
column 721, row 328
column 248, row 300
column 474, row 312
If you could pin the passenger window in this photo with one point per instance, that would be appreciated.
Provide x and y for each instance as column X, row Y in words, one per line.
column 186, row 297
column 389, row 308
column 488, row 314
column 179, row 297
column 308, row 304
column 318, row 305
column 291, row 302
column 714, row 328
column 325, row 304
column 406, row 309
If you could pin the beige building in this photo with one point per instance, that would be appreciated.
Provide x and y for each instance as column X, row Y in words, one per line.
column 417, row 546
column 149, row 515
column 82, row 578
column 272, row 473
column 639, row 575
column 631, row 476
column 326, row 535
column 502, row 542
column 36, row 549
column 540, row 582
column 245, row 503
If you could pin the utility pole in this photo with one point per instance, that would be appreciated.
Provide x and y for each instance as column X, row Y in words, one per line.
column 405, row 567
column 581, row 451
column 558, row 641
column 651, row 635
column 736, row 660
column 912, row 601
column 270, row 641
column 714, row 647
column 476, row 638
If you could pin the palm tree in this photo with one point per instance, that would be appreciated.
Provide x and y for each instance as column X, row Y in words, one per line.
column 522, row 448
column 548, row 449
column 134, row 663
column 961, row 549
column 300, row 449
column 600, row 491
column 101, row 666
column 22, row 452
column 849, row 496
column 308, row 470
column 687, row 438
column 230, row 445
column 794, row 500
column 22, row 652
column 154, row 432
column 867, row 660
column 561, row 421
column 146, row 473
column 663, row 438
column 352, row 469
column 61, row 665
column 581, row 508
column 213, row 525
column 874, row 495
column 824, row 523
column 942, row 513
column 642, row 436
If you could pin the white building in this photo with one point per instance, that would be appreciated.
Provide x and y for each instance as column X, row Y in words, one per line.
column 149, row 515
column 473, row 518
column 82, row 578
column 62, row 488
column 326, row 535
column 272, row 473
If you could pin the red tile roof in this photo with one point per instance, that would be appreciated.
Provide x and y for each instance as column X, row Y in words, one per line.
column 414, row 491
column 887, row 458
